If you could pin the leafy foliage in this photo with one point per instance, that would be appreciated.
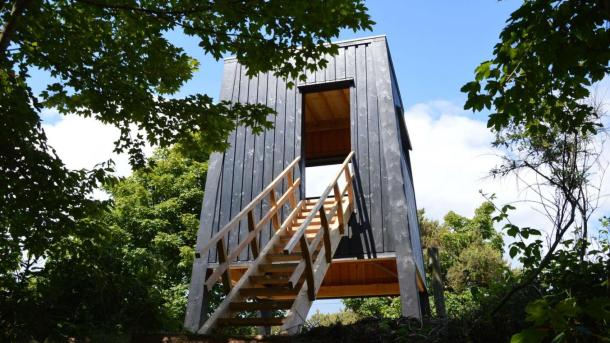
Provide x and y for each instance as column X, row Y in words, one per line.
column 549, row 53
column 344, row 317
column 471, row 257
column 575, row 305
column 113, row 61
column 119, row 271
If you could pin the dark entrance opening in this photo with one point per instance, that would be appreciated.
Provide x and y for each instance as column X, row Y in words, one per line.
column 326, row 129
column 326, row 134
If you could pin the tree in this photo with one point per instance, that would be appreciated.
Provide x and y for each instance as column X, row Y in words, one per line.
column 344, row 317
column 538, row 86
column 123, row 270
column 112, row 60
column 470, row 254
column 549, row 53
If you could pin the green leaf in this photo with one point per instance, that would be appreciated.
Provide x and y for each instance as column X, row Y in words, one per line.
column 528, row 336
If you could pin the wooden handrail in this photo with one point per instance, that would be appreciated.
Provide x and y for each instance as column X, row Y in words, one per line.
column 295, row 240
column 240, row 216
column 254, row 228
column 244, row 280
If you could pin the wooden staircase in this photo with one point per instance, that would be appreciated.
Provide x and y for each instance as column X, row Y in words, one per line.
column 286, row 274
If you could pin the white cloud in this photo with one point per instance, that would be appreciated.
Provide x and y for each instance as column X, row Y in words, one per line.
column 84, row 142
column 451, row 156
column 451, row 160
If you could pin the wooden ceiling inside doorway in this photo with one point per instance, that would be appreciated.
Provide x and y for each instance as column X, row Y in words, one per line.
column 327, row 110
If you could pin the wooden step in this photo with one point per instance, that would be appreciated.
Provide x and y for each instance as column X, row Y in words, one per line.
column 316, row 221
column 250, row 321
column 315, row 201
column 270, row 279
column 284, row 239
column 269, row 291
column 261, row 305
column 280, row 257
column 277, row 267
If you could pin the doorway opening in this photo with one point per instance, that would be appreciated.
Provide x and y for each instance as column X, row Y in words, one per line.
column 326, row 135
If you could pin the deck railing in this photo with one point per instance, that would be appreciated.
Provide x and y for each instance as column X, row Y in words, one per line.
column 273, row 214
column 299, row 238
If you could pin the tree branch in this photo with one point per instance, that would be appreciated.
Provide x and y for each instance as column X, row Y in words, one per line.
column 11, row 24
column 149, row 11
column 543, row 264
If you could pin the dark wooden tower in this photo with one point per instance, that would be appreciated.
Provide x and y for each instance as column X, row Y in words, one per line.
column 275, row 248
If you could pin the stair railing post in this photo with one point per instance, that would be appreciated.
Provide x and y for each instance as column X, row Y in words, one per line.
column 222, row 259
column 311, row 291
column 275, row 220
column 254, row 241
column 324, row 223
column 290, row 183
column 339, row 200
column 350, row 185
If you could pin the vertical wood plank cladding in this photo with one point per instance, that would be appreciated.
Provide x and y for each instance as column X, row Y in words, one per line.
column 196, row 305
column 259, row 151
column 362, row 146
column 280, row 132
column 321, row 74
column 340, row 64
column 238, row 163
column 414, row 232
column 298, row 130
column 310, row 77
column 247, row 178
column 289, row 133
column 376, row 214
column 228, row 165
column 269, row 144
column 348, row 69
column 398, row 210
column 330, row 68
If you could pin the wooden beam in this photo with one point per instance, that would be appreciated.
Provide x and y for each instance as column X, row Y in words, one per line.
column 339, row 200
column 326, row 229
column 311, row 291
column 363, row 290
column 222, row 259
column 291, row 185
column 349, row 186
column 275, row 219
column 252, row 229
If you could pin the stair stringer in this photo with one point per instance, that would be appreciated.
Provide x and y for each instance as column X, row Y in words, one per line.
column 244, row 281
column 297, row 314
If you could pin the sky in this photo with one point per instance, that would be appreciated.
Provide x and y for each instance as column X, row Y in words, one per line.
column 435, row 46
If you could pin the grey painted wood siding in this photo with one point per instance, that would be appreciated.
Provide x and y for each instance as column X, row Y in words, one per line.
column 253, row 161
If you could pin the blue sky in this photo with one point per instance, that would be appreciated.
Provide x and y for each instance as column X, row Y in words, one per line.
column 435, row 45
